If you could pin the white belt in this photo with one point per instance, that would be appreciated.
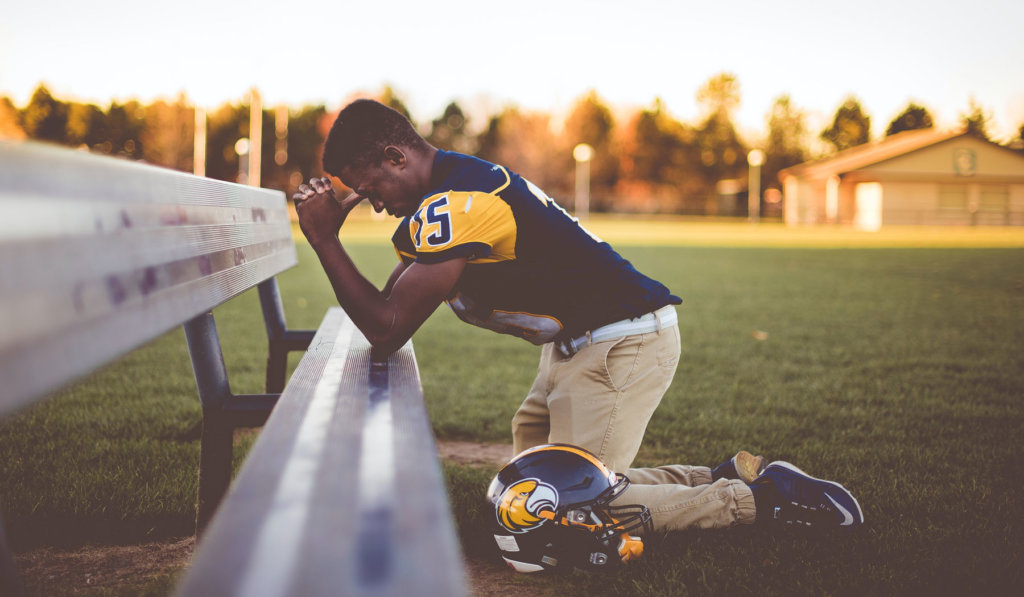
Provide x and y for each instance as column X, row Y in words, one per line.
column 645, row 324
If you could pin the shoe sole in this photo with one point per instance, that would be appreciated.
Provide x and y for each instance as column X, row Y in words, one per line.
column 748, row 466
column 850, row 519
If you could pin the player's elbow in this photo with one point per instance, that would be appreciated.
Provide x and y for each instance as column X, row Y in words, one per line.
column 385, row 337
column 381, row 353
column 382, row 346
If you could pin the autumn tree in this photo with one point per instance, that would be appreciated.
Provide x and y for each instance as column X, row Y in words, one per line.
column 590, row 121
column 124, row 127
column 720, row 94
column 976, row 121
column 305, row 143
column 45, row 118
column 167, row 139
column 786, row 144
column 850, row 126
column 913, row 117
column 390, row 98
column 225, row 126
column 721, row 150
column 450, row 132
column 659, row 165
column 86, row 126
column 652, row 147
column 524, row 142
column 488, row 142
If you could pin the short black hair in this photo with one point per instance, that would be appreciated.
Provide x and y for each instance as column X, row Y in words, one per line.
column 361, row 132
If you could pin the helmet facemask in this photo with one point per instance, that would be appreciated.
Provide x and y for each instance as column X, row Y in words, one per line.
column 605, row 530
column 553, row 511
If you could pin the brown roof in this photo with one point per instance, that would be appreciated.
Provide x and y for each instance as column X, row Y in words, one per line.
column 871, row 153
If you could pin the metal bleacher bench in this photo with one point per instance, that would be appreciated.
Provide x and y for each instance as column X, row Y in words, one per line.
column 342, row 493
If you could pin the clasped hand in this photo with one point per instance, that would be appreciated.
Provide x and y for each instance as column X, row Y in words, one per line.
column 320, row 213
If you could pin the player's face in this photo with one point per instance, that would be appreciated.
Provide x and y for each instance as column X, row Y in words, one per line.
column 387, row 186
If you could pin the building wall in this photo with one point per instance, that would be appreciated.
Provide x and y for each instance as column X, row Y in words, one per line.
column 962, row 181
column 847, row 203
column 1017, row 205
column 910, row 203
column 805, row 201
column 955, row 157
column 952, row 203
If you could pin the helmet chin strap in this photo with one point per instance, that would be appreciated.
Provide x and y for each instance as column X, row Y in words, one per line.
column 631, row 548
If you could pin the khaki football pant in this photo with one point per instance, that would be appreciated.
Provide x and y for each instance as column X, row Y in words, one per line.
column 601, row 399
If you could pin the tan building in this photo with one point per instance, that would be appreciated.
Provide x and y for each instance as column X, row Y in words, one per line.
column 923, row 177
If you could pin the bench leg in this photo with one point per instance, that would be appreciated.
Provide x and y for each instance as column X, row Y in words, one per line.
column 214, row 392
column 223, row 411
column 277, row 367
column 281, row 340
column 273, row 319
column 214, row 464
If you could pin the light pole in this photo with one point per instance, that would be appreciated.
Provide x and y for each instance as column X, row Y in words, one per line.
column 255, row 137
column 582, row 153
column 755, row 159
column 199, row 142
column 281, row 135
column 242, row 149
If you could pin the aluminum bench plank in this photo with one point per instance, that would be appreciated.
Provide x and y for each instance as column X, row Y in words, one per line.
column 342, row 493
column 109, row 254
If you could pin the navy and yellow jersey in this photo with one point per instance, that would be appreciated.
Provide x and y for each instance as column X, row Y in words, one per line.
column 532, row 271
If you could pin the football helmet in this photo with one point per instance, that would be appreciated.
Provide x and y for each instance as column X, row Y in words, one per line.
column 552, row 510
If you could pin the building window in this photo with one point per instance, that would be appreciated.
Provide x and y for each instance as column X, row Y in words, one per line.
column 953, row 197
column 994, row 198
column 993, row 207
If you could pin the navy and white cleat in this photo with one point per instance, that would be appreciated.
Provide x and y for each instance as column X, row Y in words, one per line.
column 802, row 500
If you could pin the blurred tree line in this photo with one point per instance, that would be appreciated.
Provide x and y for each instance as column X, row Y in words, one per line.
column 162, row 133
column 645, row 161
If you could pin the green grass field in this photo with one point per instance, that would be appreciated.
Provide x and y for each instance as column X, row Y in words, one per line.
column 891, row 362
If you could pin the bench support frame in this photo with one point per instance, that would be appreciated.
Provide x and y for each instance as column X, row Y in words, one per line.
column 224, row 411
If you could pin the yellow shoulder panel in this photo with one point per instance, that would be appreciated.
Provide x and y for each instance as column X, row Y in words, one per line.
column 449, row 220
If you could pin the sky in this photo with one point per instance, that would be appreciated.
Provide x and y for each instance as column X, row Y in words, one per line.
column 536, row 54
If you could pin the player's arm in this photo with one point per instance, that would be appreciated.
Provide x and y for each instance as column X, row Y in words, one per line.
column 388, row 319
column 395, row 274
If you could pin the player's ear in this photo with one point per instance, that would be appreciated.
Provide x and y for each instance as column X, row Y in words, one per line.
column 395, row 155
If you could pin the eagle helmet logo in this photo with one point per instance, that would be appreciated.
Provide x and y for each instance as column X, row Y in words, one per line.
column 520, row 507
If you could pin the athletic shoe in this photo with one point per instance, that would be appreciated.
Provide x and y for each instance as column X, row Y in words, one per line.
column 744, row 466
column 795, row 498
